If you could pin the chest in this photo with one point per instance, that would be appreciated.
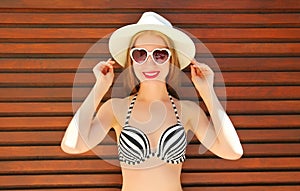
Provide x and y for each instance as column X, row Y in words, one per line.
column 152, row 118
column 152, row 131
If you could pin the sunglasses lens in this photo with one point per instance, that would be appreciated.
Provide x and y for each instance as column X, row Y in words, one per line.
column 139, row 56
column 160, row 56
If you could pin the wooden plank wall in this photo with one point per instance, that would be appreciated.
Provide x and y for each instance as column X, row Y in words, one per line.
column 256, row 44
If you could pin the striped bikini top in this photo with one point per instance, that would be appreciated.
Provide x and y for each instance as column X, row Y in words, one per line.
column 134, row 147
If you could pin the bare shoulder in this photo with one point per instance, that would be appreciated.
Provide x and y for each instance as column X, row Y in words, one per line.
column 119, row 107
column 119, row 104
column 116, row 104
column 189, row 107
column 191, row 113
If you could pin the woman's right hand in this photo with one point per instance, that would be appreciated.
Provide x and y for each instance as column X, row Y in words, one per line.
column 104, row 72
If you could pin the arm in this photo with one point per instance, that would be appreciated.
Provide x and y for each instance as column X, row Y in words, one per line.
column 219, row 135
column 84, row 131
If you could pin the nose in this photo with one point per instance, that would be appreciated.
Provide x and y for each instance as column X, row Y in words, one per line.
column 150, row 60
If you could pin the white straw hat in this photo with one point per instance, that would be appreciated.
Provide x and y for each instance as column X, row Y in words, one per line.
column 120, row 39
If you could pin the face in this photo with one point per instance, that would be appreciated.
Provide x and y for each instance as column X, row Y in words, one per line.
column 149, row 70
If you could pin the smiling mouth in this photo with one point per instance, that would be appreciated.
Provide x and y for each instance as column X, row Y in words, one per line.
column 152, row 74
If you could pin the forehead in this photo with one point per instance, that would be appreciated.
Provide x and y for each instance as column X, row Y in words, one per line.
column 148, row 39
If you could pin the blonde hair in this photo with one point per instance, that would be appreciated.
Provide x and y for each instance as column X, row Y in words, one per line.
column 132, row 84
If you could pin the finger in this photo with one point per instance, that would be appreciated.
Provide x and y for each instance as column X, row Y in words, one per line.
column 197, row 70
column 104, row 68
column 110, row 60
column 204, row 68
column 199, row 66
column 111, row 70
column 193, row 72
column 109, row 63
column 193, row 62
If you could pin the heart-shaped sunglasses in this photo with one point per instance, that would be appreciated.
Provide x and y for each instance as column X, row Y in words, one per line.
column 159, row 55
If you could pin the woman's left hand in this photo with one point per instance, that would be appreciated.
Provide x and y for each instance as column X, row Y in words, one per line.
column 202, row 77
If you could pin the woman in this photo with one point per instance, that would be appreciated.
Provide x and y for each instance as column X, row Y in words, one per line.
column 151, row 124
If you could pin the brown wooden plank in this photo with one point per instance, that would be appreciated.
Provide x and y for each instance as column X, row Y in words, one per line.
column 259, row 93
column 60, row 123
column 105, row 166
column 46, row 79
column 31, row 181
column 269, row 135
column 120, row 19
column 81, row 189
column 269, row 129
column 251, row 48
column 88, row 79
column 74, row 64
column 95, row 34
column 34, row 123
column 50, row 108
column 155, row 4
column 80, row 49
column 47, row 65
column 53, row 152
column 60, row 166
column 108, row 151
column 255, row 64
column 115, row 179
column 195, row 188
column 247, row 164
column 258, row 78
column 240, row 178
column 262, row 107
column 232, row 107
column 266, row 121
column 42, row 94
column 245, row 188
column 231, row 93
column 55, row 137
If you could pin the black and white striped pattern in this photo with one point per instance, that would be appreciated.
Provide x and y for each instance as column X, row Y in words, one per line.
column 172, row 145
column 134, row 146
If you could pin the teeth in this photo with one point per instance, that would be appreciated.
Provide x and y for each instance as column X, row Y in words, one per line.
column 150, row 73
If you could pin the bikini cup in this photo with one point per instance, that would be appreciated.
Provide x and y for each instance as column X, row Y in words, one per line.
column 134, row 146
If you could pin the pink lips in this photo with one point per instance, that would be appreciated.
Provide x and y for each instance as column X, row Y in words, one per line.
column 151, row 74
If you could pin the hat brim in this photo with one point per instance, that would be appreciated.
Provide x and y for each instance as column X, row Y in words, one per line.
column 120, row 39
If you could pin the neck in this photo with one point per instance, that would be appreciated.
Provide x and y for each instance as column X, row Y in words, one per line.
column 153, row 90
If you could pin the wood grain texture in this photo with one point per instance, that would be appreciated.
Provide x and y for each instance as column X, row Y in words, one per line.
column 115, row 179
column 195, row 188
column 252, row 45
column 110, row 151
column 106, row 165
column 254, row 64
column 96, row 34
column 155, row 4
column 54, row 138
column 202, row 19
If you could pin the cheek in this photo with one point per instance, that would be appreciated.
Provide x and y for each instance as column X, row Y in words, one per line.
column 137, row 70
column 165, row 70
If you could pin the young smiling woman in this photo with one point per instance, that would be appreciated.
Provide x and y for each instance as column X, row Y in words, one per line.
column 151, row 124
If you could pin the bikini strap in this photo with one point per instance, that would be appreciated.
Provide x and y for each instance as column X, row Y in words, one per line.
column 175, row 109
column 130, row 109
column 132, row 104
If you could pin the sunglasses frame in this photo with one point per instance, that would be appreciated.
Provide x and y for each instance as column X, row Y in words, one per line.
column 150, row 53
